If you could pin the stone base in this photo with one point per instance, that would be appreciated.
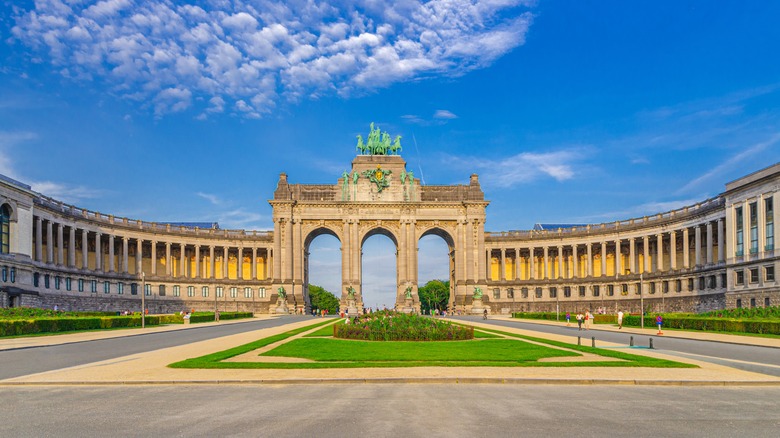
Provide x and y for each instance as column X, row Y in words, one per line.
column 477, row 308
column 282, row 309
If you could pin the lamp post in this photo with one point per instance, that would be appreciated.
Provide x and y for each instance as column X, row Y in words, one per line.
column 143, row 299
column 641, row 303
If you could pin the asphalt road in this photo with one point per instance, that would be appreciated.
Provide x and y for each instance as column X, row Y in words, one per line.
column 390, row 411
column 764, row 360
column 20, row 362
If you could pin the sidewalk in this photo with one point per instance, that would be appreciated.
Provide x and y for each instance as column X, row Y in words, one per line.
column 651, row 330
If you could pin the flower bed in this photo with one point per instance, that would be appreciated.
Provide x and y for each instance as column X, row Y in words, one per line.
column 394, row 326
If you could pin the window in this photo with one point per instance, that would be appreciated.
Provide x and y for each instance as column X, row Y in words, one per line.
column 247, row 292
column 711, row 282
column 68, row 285
column 567, row 292
column 739, row 277
column 624, row 289
column 5, row 228
column 701, row 283
column 93, row 286
column 769, row 216
column 739, row 303
column 690, row 284
column 161, row 290
column 261, row 292
column 5, row 273
column 510, row 293
column 133, row 288
column 106, row 287
column 678, row 285
column 57, row 282
column 13, row 275
column 46, row 281
column 752, row 303
column 147, row 290
column 219, row 292
column 553, row 292
column 754, row 275
column 740, row 248
column 36, row 279
column 665, row 287
column 233, row 292
column 538, row 292
column 769, row 273
column 524, row 292
column 582, row 290
column 766, row 302
column 723, row 280
column 596, row 291
column 610, row 290
column 753, row 228
column 176, row 290
column 190, row 291
column 496, row 293
column 120, row 288
column 81, row 285
column 204, row 291
column 652, row 287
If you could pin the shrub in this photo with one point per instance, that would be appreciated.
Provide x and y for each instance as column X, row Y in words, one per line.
column 695, row 322
column 395, row 326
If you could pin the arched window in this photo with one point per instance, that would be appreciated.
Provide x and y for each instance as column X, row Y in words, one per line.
column 5, row 228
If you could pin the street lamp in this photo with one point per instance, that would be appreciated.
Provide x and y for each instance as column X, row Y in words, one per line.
column 143, row 299
column 641, row 303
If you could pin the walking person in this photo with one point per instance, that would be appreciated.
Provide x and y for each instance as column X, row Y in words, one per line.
column 659, row 320
column 484, row 314
column 620, row 319
column 579, row 317
column 568, row 319
column 588, row 317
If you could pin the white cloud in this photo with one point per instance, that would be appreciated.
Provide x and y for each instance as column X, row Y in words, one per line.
column 258, row 52
column 527, row 166
column 444, row 114
column 214, row 199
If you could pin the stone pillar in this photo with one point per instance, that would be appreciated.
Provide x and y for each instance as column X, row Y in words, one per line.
column 38, row 239
column 575, row 262
column 168, row 271
column 709, row 242
column 125, row 252
column 686, row 250
column 139, row 256
column 721, row 242
column 603, row 259
column 154, row 257
column 502, row 265
column 49, row 242
column 197, row 262
column 253, row 274
column 212, row 263
column 561, row 272
column 673, row 250
column 590, row 259
column 646, row 254
column 240, row 263
column 518, row 270
column 546, row 263
column 84, row 249
column 60, row 245
column 111, row 261
column 618, row 262
column 660, row 252
column 72, row 247
column 531, row 264
column 98, row 252
column 346, row 256
column 697, row 249
column 183, row 260
column 225, row 262
column 632, row 256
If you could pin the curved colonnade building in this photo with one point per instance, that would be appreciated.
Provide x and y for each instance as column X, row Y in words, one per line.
column 719, row 253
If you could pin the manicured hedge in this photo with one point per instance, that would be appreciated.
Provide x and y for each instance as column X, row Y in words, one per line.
column 551, row 316
column 209, row 316
column 708, row 324
column 395, row 326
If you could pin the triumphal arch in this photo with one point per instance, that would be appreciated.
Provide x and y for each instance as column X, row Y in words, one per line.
column 379, row 195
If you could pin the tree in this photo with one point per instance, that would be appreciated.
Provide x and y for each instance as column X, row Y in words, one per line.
column 434, row 295
column 322, row 299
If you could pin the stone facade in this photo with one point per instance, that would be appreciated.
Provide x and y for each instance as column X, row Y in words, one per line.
column 714, row 254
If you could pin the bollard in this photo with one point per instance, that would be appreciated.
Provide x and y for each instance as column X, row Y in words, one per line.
column 651, row 343
column 579, row 341
column 632, row 342
column 593, row 342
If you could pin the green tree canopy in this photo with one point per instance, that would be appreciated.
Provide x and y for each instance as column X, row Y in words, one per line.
column 434, row 295
column 322, row 299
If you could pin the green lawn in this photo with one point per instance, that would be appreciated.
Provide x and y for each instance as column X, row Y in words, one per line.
column 339, row 353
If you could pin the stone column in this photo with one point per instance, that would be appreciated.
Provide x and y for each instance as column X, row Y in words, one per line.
column 111, row 261
column 721, row 242
column 660, row 252
column 346, row 256
column 686, row 250
column 697, row 253
column 575, row 262
column 212, row 263
column 518, row 269
column 603, row 259
column 183, row 260
column 38, row 239
column 546, row 263
column 72, row 247
column 590, row 259
column 502, row 265
column 632, row 256
column 254, row 263
column 84, row 249
column 154, row 257
column 60, row 245
column 197, row 261
column 240, row 263
column 168, row 271
column 709, row 242
column 139, row 256
column 49, row 242
column 98, row 252
column 225, row 262
column 646, row 254
column 125, row 252
column 561, row 272
column 746, row 232
column 673, row 250
column 618, row 262
column 531, row 264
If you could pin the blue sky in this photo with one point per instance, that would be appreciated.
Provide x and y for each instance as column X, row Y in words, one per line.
column 568, row 111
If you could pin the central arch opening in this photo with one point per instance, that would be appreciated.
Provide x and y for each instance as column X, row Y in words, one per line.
column 435, row 271
column 322, row 269
column 379, row 270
